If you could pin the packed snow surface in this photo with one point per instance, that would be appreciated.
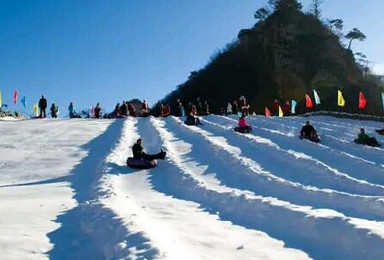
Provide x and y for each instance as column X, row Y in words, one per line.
column 66, row 192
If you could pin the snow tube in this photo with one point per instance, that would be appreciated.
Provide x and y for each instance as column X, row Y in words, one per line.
column 141, row 163
column 373, row 142
column 312, row 139
column 243, row 130
column 380, row 132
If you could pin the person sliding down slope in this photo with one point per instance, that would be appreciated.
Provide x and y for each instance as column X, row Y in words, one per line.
column 141, row 160
column 243, row 127
column 363, row 138
column 138, row 152
column 309, row 132
column 192, row 120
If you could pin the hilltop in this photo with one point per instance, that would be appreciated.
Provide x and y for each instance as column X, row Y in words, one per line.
column 286, row 54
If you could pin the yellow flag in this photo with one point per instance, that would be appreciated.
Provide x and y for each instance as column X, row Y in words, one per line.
column 340, row 99
column 281, row 114
column 1, row 100
column 36, row 109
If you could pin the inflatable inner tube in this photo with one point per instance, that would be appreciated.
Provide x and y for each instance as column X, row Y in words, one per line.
column 141, row 163
column 312, row 139
column 243, row 130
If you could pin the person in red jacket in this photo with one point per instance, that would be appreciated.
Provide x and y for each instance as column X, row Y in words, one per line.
column 275, row 107
column 166, row 110
column 243, row 126
column 144, row 108
column 243, row 105
column 287, row 109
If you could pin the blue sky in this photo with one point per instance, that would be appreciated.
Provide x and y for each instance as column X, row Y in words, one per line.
column 89, row 51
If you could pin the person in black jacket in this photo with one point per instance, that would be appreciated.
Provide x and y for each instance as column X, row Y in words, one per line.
column 138, row 152
column 43, row 106
column 54, row 110
column 308, row 131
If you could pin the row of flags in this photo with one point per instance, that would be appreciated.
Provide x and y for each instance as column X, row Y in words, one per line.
column 309, row 103
column 340, row 100
column 23, row 101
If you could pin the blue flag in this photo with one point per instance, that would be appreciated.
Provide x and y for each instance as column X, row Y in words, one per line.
column 293, row 107
column 24, row 102
column 317, row 98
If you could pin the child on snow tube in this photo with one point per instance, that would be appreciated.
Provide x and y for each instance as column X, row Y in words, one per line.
column 363, row 138
column 243, row 127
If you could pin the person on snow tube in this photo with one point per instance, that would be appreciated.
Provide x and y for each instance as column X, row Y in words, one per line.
column 142, row 160
column 309, row 132
column 363, row 138
column 192, row 120
column 243, row 126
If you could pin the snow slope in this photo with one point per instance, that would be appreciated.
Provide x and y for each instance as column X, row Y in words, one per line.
column 65, row 192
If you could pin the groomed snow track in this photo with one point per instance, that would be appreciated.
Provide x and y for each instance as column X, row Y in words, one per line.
column 220, row 194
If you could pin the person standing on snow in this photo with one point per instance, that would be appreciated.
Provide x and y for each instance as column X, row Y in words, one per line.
column 199, row 106
column 229, row 108
column 287, row 108
column 145, row 108
column 43, row 106
column 54, row 110
column 131, row 109
column 206, row 107
column 98, row 110
column 275, row 107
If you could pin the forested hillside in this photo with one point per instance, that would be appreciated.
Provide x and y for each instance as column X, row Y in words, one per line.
column 286, row 54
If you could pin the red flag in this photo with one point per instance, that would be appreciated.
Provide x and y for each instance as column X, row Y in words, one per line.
column 15, row 97
column 308, row 101
column 92, row 111
column 362, row 101
column 267, row 112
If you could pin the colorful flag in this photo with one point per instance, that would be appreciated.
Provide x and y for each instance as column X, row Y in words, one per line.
column 92, row 111
column 317, row 98
column 15, row 97
column 281, row 114
column 1, row 100
column 24, row 102
column 36, row 109
column 362, row 101
column 268, row 113
column 308, row 101
column 382, row 98
column 293, row 107
column 340, row 99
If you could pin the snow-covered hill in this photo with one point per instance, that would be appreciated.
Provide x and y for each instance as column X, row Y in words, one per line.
column 65, row 192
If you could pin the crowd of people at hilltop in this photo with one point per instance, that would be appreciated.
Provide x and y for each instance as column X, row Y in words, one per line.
column 191, row 112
